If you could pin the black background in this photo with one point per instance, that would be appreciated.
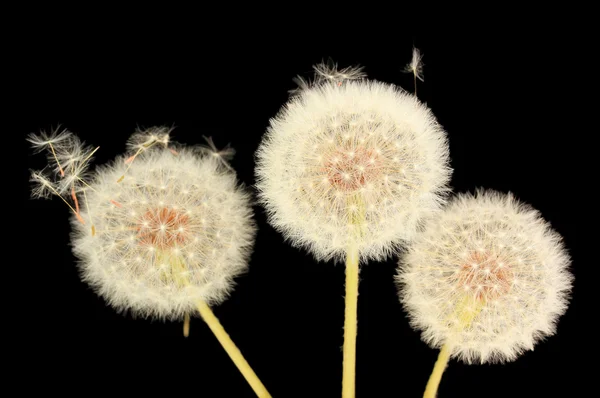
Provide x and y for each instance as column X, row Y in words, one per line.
column 505, row 96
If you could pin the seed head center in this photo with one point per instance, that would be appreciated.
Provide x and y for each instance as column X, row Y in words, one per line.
column 485, row 275
column 349, row 169
column 164, row 228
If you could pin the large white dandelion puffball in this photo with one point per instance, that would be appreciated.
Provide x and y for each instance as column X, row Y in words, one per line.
column 488, row 277
column 352, row 162
column 175, row 230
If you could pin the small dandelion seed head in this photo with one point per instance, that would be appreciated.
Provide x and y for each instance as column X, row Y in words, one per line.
column 177, row 230
column 334, row 147
column 488, row 270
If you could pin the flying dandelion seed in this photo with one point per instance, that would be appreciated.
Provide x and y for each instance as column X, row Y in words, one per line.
column 485, row 281
column 161, row 232
column 349, row 168
column 415, row 67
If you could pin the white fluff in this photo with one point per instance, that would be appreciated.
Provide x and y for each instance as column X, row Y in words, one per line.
column 70, row 157
column 491, row 259
column 176, row 229
column 43, row 140
column 416, row 65
column 348, row 150
column 144, row 139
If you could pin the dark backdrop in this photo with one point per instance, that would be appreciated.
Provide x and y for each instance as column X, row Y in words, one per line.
column 504, row 99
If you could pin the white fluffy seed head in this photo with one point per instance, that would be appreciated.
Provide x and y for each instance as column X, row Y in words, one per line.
column 175, row 230
column 352, row 162
column 489, row 277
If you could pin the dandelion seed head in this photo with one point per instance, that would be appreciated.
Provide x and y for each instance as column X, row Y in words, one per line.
column 360, row 162
column 488, row 276
column 176, row 230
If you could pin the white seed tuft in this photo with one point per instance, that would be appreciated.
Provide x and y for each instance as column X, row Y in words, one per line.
column 416, row 65
column 42, row 188
column 43, row 140
column 143, row 140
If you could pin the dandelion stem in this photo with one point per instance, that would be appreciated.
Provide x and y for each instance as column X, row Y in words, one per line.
column 186, row 325
column 234, row 352
column 438, row 370
column 466, row 311
column 350, row 323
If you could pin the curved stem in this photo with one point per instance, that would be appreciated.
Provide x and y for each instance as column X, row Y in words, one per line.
column 234, row 353
column 466, row 311
column 438, row 370
column 350, row 324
